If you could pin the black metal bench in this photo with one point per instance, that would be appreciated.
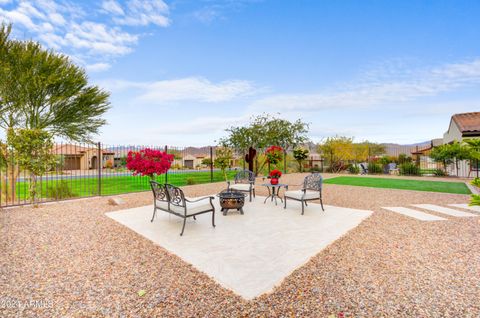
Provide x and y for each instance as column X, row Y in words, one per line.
column 171, row 199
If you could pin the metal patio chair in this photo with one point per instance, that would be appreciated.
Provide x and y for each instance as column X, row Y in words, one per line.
column 311, row 190
column 244, row 181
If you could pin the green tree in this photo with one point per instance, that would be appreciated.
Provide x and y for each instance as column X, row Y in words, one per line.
column 33, row 152
column 223, row 158
column 41, row 89
column 206, row 161
column 44, row 90
column 300, row 155
column 263, row 131
column 338, row 150
column 451, row 154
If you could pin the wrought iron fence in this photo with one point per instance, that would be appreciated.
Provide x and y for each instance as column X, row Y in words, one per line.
column 86, row 170
column 407, row 161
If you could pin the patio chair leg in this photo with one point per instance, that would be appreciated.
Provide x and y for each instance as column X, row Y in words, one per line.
column 285, row 202
column 321, row 203
column 254, row 193
column 194, row 218
column 306, row 203
column 183, row 227
column 213, row 218
column 303, row 207
column 250, row 192
column 153, row 216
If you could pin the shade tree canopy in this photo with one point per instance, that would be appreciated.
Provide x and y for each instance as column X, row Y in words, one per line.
column 41, row 89
column 266, row 130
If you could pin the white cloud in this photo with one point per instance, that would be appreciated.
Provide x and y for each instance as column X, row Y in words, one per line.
column 67, row 27
column 97, row 67
column 200, row 125
column 138, row 12
column 186, row 89
column 112, row 6
column 374, row 92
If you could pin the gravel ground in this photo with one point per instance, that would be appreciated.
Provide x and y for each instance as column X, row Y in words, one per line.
column 76, row 262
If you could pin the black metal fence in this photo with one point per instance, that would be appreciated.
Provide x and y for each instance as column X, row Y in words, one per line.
column 406, row 160
column 86, row 170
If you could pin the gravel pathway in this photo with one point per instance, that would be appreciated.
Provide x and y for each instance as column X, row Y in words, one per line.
column 69, row 259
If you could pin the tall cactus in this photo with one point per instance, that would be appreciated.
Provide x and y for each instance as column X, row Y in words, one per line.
column 249, row 157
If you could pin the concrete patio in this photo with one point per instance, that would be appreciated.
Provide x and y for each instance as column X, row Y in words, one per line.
column 251, row 253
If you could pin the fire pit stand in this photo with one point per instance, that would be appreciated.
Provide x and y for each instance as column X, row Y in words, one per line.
column 231, row 199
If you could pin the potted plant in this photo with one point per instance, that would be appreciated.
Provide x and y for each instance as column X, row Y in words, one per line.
column 149, row 162
column 274, row 175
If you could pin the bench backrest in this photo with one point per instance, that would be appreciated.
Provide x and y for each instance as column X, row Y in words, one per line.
column 175, row 195
column 168, row 193
column 159, row 191
column 313, row 182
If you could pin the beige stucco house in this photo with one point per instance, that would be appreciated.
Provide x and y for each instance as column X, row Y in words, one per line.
column 462, row 126
column 82, row 158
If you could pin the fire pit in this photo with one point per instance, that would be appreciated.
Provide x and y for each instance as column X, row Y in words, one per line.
column 230, row 199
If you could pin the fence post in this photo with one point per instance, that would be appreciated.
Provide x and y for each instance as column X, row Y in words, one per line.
column 166, row 173
column 211, row 164
column 99, row 164
column 476, row 166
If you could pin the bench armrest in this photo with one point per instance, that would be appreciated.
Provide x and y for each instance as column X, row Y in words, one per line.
column 199, row 199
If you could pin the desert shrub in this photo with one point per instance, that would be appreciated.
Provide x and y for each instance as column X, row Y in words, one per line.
column 403, row 158
column 191, row 181
column 109, row 164
column 354, row 169
column 439, row 173
column 384, row 160
column 60, row 190
column 374, row 168
column 409, row 169
column 315, row 169
column 476, row 182
column 336, row 167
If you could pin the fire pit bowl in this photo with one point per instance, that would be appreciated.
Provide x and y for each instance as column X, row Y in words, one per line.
column 230, row 200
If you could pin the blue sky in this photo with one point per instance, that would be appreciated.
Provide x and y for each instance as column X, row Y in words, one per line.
column 180, row 72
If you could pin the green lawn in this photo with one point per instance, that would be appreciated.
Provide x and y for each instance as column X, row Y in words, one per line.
column 82, row 187
column 417, row 185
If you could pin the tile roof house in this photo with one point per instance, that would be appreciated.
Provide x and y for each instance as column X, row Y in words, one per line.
column 466, row 125
column 77, row 157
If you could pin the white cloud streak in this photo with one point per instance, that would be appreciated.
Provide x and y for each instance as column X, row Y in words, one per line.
column 185, row 89
column 372, row 93
column 92, row 38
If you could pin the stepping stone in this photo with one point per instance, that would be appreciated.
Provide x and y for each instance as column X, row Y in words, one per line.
column 444, row 210
column 466, row 206
column 422, row 216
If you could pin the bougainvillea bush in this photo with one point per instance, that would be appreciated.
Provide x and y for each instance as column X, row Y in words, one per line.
column 149, row 162
column 274, row 154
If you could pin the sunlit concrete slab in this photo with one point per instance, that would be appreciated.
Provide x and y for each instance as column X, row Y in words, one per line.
column 422, row 216
column 249, row 253
column 466, row 206
column 444, row 210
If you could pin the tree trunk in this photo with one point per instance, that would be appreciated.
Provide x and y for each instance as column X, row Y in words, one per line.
column 11, row 184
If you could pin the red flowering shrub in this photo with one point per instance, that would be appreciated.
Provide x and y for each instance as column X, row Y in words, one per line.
column 275, row 173
column 149, row 162
column 274, row 154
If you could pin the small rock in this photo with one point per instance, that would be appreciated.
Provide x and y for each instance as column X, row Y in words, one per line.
column 116, row 201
